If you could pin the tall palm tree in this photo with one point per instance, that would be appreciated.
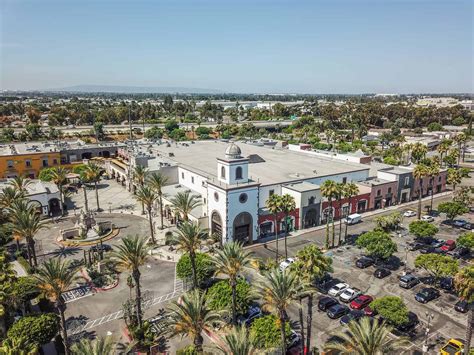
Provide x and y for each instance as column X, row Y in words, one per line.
column 54, row 278
column 274, row 206
column 278, row 290
column 329, row 191
column 288, row 205
column 84, row 181
column 464, row 286
column 25, row 224
column 419, row 173
column 183, row 203
column 418, row 152
column 443, row 147
column 140, row 174
column 157, row 181
column 231, row 260
column 92, row 173
column 147, row 196
column 189, row 239
column 454, row 178
column 130, row 256
column 236, row 342
column 461, row 140
column 190, row 316
column 20, row 183
column 365, row 337
column 350, row 190
column 340, row 188
column 100, row 346
column 311, row 264
column 433, row 171
column 58, row 177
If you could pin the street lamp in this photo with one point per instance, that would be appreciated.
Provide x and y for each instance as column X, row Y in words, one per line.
column 430, row 317
column 406, row 258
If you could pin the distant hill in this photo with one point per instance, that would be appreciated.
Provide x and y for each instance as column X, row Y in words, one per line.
column 135, row 89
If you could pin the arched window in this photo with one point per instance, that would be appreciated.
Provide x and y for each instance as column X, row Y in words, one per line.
column 222, row 172
column 238, row 173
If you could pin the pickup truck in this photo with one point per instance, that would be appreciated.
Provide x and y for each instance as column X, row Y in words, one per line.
column 452, row 347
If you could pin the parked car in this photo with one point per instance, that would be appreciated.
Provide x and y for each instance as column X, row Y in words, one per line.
column 410, row 324
column 285, row 263
column 364, row 262
column 459, row 223
column 468, row 226
column 337, row 289
column 428, row 249
column 349, row 294
column 427, row 294
column 369, row 312
column 101, row 247
column 459, row 252
column 293, row 339
column 448, row 245
column 437, row 243
column 353, row 219
column 447, row 283
column 461, row 306
column 409, row 213
column 453, row 347
column 427, row 218
column 254, row 312
column 353, row 315
column 381, row 273
column 362, row 301
column 415, row 246
column 338, row 310
column 326, row 302
column 324, row 286
column 408, row 281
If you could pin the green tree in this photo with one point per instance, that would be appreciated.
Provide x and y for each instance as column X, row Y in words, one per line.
column 454, row 178
column 378, row 244
column 437, row 265
column 329, row 190
column 34, row 330
column 466, row 240
column 350, row 190
column 423, row 229
column 54, row 278
column 157, row 181
column 129, row 256
column 265, row 332
column 171, row 125
column 288, row 205
column 154, row 133
column 147, row 196
column 58, row 176
column 221, row 296
column 274, row 206
column 204, row 267
column 183, row 203
column 366, row 337
column 100, row 346
column 392, row 309
column 189, row 239
column 452, row 209
column 140, row 174
column 236, row 342
column 92, row 173
column 231, row 261
column 464, row 286
column 419, row 173
column 99, row 130
column 18, row 346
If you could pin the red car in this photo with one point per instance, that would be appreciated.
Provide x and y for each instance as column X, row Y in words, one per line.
column 369, row 312
column 361, row 302
column 448, row 245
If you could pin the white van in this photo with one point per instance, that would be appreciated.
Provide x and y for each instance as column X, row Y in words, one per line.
column 353, row 219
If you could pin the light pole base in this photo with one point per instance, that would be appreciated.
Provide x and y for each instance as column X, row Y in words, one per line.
column 425, row 348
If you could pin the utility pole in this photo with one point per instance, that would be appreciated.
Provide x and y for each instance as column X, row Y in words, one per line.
column 130, row 124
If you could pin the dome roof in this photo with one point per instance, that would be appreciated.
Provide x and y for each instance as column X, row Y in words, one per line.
column 233, row 151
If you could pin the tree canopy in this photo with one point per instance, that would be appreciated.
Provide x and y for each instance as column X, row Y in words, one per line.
column 452, row 209
column 38, row 329
column 392, row 309
column 377, row 244
column 466, row 240
column 437, row 265
column 423, row 229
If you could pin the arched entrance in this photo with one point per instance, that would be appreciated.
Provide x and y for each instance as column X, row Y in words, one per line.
column 86, row 155
column 37, row 205
column 310, row 218
column 216, row 224
column 54, row 206
column 106, row 154
column 243, row 227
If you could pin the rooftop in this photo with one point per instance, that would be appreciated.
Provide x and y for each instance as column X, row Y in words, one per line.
column 35, row 187
column 302, row 186
column 374, row 182
column 48, row 147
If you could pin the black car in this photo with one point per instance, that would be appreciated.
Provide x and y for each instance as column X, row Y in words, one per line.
column 446, row 283
column 324, row 286
column 427, row 294
column 101, row 247
column 468, row 226
column 355, row 315
column 364, row 262
column 326, row 302
column 408, row 326
column 415, row 246
column 459, row 252
column 253, row 313
column 461, row 306
column 338, row 310
column 408, row 281
column 381, row 273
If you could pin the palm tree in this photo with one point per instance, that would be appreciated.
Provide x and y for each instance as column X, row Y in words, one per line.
column 274, row 206
column 464, row 285
column 183, row 203
column 288, row 205
column 329, row 191
column 83, row 179
column 418, row 152
column 189, row 239
column 20, row 183
column 54, row 278
column 454, row 178
column 461, row 140
column 139, row 177
column 419, row 173
column 366, row 337
column 310, row 265
column 236, row 342
column 100, row 346
column 433, row 171
column 130, row 256
column 340, row 187
column 25, row 224
column 157, row 181
column 350, row 190
column 443, row 147
column 278, row 290
column 190, row 316
column 147, row 196
column 18, row 346
column 92, row 173
column 58, row 177
column 231, row 260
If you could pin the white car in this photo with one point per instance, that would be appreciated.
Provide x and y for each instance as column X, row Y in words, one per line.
column 409, row 213
column 285, row 263
column 427, row 218
column 349, row 294
column 337, row 289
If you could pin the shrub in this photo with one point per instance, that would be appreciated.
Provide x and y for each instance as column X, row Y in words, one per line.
column 220, row 296
column 265, row 332
column 435, row 126
column 203, row 267
column 39, row 329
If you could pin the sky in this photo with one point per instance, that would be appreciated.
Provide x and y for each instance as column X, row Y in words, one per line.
column 261, row 46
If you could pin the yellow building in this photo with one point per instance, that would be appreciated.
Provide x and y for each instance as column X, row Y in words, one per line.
column 26, row 160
